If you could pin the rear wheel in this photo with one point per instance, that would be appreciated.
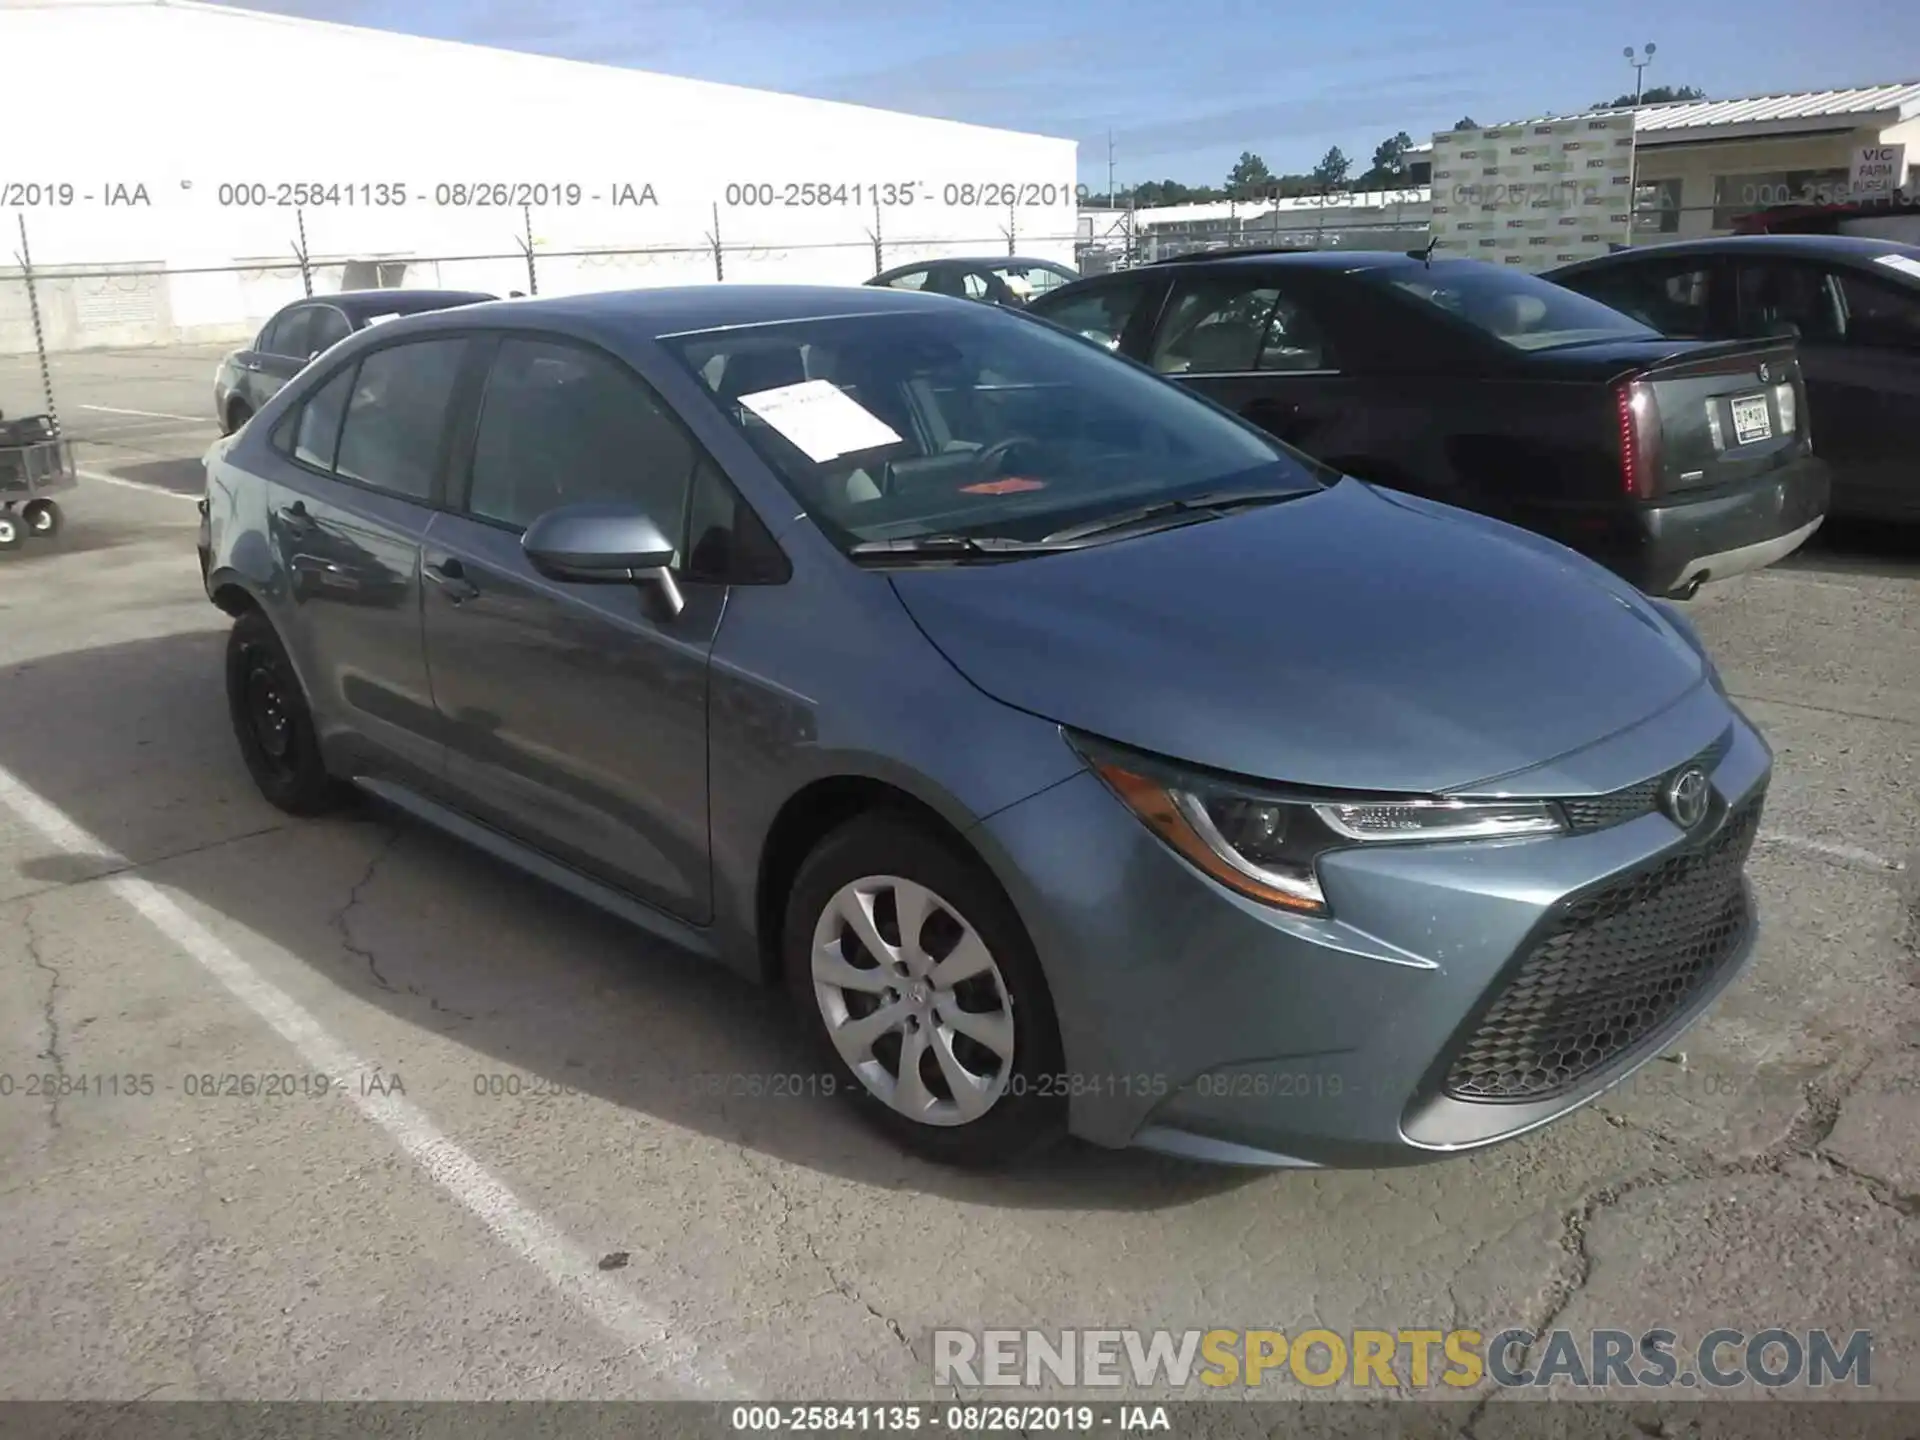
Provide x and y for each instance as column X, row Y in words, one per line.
column 919, row 985
column 273, row 723
column 11, row 530
column 238, row 413
column 42, row 517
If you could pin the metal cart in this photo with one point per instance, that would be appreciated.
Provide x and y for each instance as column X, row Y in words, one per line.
column 34, row 463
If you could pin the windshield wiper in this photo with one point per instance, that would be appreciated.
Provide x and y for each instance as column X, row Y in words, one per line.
column 949, row 547
column 1213, row 503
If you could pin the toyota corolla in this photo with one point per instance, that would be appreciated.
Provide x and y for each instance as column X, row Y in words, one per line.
column 1079, row 757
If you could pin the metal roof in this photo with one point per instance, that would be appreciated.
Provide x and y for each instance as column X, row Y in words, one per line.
column 1901, row 100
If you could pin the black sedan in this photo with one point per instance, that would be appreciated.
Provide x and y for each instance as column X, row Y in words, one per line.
column 249, row 376
column 1010, row 280
column 1852, row 302
column 1671, row 462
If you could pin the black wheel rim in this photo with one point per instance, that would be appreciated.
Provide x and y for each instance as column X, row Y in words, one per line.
column 269, row 708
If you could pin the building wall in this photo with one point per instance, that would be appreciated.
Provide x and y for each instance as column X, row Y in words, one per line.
column 1756, row 169
column 196, row 113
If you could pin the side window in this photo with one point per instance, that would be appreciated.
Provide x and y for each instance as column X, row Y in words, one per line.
column 912, row 280
column 1878, row 315
column 1219, row 327
column 1785, row 298
column 974, row 284
column 316, row 428
column 562, row 425
column 1100, row 314
column 1676, row 300
column 291, row 332
column 329, row 328
column 397, row 415
column 725, row 539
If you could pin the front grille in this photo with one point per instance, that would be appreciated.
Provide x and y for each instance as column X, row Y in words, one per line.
column 1615, row 969
column 1600, row 812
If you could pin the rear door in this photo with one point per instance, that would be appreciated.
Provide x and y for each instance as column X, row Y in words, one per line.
column 575, row 714
column 1255, row 342
column 362, row 460
column 287, row 346
column 1859, row 386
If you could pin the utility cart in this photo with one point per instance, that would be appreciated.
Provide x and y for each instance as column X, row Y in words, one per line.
column 34, row 463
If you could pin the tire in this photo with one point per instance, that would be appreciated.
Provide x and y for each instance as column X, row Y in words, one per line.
column 12, row 532
column 273, row 723
column 238, row 413
column 42, row 518
column 1020, row 1096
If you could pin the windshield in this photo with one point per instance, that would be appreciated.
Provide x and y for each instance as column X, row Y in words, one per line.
column 970, row 421
column 1517, row 308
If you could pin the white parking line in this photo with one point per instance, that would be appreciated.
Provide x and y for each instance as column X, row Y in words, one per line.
column 1853, row 854
column 100, row 477
column 564, row 1265
column 149, row 414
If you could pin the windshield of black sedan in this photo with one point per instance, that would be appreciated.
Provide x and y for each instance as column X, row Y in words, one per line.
column 964, row 420
column 1514, row 307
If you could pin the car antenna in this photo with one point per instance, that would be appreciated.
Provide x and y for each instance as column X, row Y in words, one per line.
column 1425, row 254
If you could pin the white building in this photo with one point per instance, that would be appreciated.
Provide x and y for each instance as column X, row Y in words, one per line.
column 174, row 153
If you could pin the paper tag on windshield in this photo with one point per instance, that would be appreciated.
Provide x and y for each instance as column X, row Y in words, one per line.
column 820, row 418
column 382, row 319
column 1905, row 264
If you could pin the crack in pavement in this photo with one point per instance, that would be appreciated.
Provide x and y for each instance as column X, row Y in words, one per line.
column 50, row 1016
column 789, row 1219
column 342, row 925
column 1825, row 1095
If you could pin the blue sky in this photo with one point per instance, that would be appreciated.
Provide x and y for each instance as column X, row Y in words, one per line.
column 1186, row 85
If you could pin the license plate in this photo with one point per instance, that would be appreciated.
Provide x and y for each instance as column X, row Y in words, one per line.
column 1750, row 420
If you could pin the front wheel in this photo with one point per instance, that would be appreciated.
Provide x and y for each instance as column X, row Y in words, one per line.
column 11, row 530
column 918, row 982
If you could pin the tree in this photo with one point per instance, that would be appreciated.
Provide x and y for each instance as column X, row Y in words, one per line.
column 1331, row 172
column 1466, row 122
column 1249, row 175
column 1658, row 95
column 1389, row 164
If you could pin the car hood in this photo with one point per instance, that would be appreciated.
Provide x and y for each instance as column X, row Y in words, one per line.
column 1355, row 638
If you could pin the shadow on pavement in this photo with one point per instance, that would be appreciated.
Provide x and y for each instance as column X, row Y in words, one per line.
column 1860, row 547
column 132, row 742
column 184, row 477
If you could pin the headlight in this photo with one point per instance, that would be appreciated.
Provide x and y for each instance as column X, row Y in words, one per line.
column 1266, row 845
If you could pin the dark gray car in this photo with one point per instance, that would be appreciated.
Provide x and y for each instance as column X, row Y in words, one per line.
column 248, row 378
column 1011, row 280
column 1078, row 756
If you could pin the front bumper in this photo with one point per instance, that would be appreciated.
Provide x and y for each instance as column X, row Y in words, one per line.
column 1684, row 541
column 1198, row 1023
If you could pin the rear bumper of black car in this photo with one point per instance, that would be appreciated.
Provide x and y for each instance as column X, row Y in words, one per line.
column 1676, row 545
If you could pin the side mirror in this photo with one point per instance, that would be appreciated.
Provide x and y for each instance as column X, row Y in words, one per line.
column 603, row 544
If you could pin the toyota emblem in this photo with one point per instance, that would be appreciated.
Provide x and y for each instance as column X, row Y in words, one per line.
column 1685, row 798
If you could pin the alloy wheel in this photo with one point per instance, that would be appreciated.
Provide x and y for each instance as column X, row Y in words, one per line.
column 268, row 709
column 913, row 1000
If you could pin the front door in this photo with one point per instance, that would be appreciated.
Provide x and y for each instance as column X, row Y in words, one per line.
column 575, row 714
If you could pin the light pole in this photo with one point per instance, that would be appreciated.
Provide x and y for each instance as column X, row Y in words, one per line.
column 1639, row 68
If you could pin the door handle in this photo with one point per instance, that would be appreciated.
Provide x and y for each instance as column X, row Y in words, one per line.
column 451, row 576
column 249, row 364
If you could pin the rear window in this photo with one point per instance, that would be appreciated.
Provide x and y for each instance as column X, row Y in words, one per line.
column 1516, row 308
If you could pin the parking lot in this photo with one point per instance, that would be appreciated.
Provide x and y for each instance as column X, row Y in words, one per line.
column 546, row 1177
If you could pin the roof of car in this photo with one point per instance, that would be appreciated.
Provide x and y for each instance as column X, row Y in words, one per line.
column 384, row 302
column 1826, row 247
column 1314, row 259
column 681, row 309
column 984, row 262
